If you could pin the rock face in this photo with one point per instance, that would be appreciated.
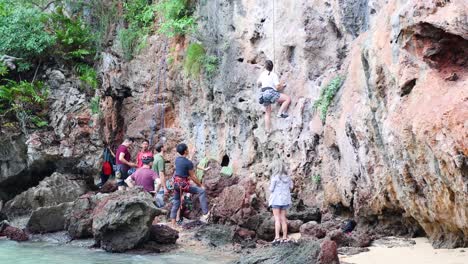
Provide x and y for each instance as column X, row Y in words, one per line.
column 73, row 145
column 391, row 150
column 80, row 221
column 122, row 221
column 49, row 219
column 53, row 190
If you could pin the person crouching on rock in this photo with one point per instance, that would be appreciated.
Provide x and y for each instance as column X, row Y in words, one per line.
column 270, row 85
column 144, row 176
column 184, row 172
column 122, row 160
column 280, row 199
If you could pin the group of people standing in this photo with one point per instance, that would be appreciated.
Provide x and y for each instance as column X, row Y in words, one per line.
column 149, row 172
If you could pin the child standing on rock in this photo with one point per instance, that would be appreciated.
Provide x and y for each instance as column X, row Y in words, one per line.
column 280, row 199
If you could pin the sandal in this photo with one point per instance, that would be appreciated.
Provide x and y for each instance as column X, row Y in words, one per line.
column 284, row 241
column 276, row 241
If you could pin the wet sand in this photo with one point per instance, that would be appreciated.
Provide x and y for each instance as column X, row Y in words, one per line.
column 401, row 251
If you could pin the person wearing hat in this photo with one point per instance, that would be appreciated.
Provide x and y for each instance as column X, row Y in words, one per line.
column 144, row 176
column 184, row 172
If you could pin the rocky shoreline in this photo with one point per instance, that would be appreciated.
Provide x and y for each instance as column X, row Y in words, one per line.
column 128, row 221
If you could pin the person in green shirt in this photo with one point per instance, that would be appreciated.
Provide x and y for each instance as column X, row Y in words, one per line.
column 159, row 167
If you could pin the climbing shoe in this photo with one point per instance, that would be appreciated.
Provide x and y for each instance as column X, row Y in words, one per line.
column 283, row 115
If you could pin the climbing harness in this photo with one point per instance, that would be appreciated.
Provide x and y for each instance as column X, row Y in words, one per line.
column 183, row 184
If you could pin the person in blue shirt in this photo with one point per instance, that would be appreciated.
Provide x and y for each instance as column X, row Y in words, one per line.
column 184, row 172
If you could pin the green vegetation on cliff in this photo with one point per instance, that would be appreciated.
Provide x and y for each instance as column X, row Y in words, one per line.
column 35, row 37
column 196, row 60
column 139, row 16
column 26, row 101
column 326, row 96
column 178, row 19
column 23, row 33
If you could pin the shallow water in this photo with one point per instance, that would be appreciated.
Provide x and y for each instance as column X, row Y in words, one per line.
column 47, row 253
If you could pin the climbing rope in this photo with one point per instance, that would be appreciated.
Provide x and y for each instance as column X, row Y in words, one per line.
column 274, row 33
column 159, row 91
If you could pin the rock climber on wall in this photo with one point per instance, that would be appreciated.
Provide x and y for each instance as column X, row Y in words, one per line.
column 270, row 85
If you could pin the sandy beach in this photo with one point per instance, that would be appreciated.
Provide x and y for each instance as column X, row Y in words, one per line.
column 400, row 251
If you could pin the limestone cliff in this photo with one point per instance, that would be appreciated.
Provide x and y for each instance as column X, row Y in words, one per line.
column 392, row 150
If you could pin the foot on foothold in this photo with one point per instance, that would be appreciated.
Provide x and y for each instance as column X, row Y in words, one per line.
column 283, row 115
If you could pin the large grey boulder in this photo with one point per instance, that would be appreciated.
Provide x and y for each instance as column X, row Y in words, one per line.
column 49, row 219
column 80, row 219
column 163, row 234
column 56, row 189
column 122, row 220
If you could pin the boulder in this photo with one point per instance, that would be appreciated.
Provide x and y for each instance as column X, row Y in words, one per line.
column 254, row 222
column 122, row 220
column 215, row 235
column 306, row 215
column 354, row 239
column 234, row 205
column 163, row 234
column 328, row 253
column 214, row 182
column 294, row 226
column 80, row 219
column 56, row 189
column 244, row 234
column 313, row 229
column 12, row 232
column 266, row 230
column 49, row 219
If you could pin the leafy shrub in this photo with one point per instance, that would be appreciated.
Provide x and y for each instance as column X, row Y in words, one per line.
column 87, row 74
column 326, row 96
column 74, row 37
column 23, row 33
column 196, row 60
column 139, row 16
column 26, row 101
column 104, row 15
column 177, row 16
column 3, row 69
